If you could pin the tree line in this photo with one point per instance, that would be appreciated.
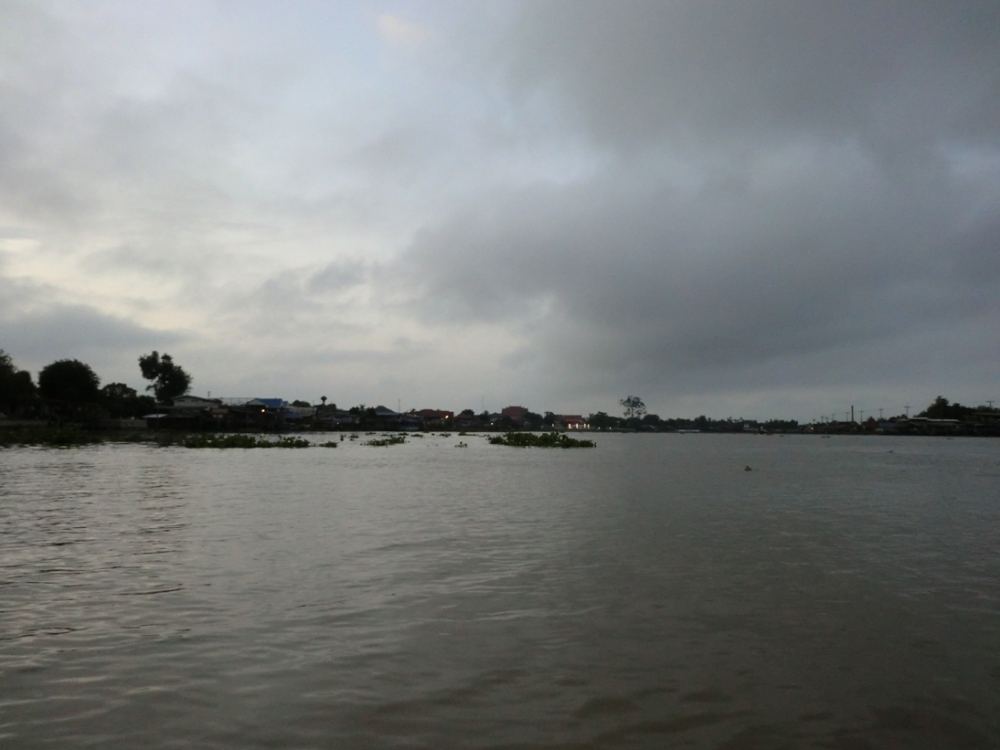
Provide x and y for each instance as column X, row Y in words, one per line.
column 941, row 408
column 69, row 388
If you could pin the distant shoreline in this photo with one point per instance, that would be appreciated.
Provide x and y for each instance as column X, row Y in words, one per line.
column 15, row 433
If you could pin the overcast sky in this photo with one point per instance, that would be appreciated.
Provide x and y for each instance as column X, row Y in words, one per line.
column 750, row 209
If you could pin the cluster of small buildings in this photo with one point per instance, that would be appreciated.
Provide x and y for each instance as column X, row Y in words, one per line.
column 276, row 414
column 986, row 423
column 520, row 417
column 194, row 412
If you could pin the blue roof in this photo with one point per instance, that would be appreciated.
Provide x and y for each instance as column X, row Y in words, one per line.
column 270, row 403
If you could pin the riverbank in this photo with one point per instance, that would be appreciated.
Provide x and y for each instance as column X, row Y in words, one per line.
column 38, row 433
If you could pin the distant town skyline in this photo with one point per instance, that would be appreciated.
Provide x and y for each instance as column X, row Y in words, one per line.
column 747, row 209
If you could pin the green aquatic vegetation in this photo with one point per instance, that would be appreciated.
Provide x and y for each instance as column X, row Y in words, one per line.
column 391, row 440
column 287, row 442
column 218, row 441
column 543, row 440
column 329, row 444
column 240, row 441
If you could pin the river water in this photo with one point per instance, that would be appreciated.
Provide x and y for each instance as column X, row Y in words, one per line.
column 845, row 593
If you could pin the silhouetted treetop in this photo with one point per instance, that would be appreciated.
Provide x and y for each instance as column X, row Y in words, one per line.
column 121, row 401
column 69, row 380
column 633, row 406
column 169, row 380
column 942, row 409
column 16, row 388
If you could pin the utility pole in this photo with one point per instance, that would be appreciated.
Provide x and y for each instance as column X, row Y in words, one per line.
column 880, row 415
column 990, row 402
column 862, row 417
column 852, row 413
column 907, row 407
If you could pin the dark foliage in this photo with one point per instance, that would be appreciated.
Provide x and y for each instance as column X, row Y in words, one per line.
column 241, row 441
column 544, row 440
column 122, row 402
column 391, row 440
column 17, row 391
column 633, row 406
column 69, row 381
column 942, row 409
column 169, row 380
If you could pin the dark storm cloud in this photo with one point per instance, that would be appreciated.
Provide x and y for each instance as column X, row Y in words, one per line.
column 886, row 71
column 713, row 277
column 784, row 191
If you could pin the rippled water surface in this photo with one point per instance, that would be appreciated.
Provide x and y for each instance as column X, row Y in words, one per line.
column 648, row 593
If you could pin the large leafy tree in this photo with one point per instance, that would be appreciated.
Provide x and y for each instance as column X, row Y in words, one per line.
column 121, row 401
column 169, row 380
column 943, row 409
column 633, row 406
column 69, row 381
column 601, row 421
column 16, row 388
column 117, row 392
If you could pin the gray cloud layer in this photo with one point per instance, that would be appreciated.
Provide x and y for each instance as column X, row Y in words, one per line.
column 786, row 197
column 892, row 73
column 35, row 323
column 767, row 207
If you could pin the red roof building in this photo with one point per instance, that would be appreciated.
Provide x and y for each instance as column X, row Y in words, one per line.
column 516, row 414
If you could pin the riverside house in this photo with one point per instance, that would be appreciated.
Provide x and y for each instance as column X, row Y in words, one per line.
column 570, row 422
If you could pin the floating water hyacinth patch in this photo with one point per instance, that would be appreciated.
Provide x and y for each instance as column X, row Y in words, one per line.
column 543, row 440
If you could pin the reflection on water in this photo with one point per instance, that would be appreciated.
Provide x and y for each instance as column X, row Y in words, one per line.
column 649, row 593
